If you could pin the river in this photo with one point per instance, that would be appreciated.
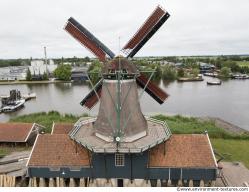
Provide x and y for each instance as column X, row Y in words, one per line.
column 230, row 101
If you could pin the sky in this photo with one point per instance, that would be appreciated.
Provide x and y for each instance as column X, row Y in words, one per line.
column 195, row 27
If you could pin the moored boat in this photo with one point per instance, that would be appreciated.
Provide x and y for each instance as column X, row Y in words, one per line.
column 13, row 106
column 211, row 74
column 240, row 76
column 13, row 102
column 214, row 82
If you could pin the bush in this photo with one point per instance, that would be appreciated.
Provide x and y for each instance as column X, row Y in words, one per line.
column 28, row 75
column 225, row 72
column 63, row 72
column 169, row 73
column 195, row 72
column 180, row 72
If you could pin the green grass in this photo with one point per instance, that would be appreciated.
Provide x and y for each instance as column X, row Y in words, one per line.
column 46, row 119
column 233, row 150
column 243, row 63
column 188, row 125
column 5, row 150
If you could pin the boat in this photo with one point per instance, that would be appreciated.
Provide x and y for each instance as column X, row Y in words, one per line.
column 4, row 96
column 211, row 74
column 13, row 102
column 214, row 82
column 13, row 106
column 25, row 96
column 240, row 76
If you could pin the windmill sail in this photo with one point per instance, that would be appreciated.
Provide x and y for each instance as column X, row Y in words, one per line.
column 92, row 98
column 148, row 29
column 81, row 34
column 154, row 91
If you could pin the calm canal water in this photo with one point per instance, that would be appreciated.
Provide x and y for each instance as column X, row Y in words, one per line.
column 230, row 101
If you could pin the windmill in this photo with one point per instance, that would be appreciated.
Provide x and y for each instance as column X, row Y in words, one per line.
column 120, row 118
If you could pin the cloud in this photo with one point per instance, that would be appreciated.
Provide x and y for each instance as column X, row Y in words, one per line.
column 195, row 26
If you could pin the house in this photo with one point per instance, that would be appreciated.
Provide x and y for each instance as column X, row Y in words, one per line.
column 79, row 74
column 206, row 68
column 19, row 133
column 61, row 128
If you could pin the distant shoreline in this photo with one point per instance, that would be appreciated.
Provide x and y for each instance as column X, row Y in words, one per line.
column 31, row 82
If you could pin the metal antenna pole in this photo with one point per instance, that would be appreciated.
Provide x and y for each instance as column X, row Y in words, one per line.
column 118, row 99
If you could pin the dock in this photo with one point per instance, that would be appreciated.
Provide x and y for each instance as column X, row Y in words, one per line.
column 185, row 79
column 29, row 96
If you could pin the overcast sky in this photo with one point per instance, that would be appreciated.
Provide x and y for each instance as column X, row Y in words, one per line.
column 196, row 27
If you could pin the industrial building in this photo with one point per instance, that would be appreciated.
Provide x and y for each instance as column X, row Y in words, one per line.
column 38, row 68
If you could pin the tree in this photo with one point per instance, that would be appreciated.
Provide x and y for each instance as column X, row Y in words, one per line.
column 28, row 75
column 180, row 72
column 169, row 73
column 195, row 72
column 63, row 72
column 158, row 73
column 87, row 59
column 45, row 76
column 94, row 70
column 225, row 72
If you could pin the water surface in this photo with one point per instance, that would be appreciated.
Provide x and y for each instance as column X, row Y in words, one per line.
column 230, row 101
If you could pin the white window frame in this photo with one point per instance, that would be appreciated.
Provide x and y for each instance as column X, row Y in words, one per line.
column 119, row 159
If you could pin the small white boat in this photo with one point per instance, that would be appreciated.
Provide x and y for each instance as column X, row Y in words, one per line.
column 213, row 82
column 13, row 106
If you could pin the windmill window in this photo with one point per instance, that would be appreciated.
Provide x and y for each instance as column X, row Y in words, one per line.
column 125, row 71
column 112, row 71
column 119, row 160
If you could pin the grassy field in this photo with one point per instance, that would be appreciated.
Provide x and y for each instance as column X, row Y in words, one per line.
column 234, row 147
column 46, row 119
column 4, row 150
column 179, row 124
column 243, row 63
column 233, row 150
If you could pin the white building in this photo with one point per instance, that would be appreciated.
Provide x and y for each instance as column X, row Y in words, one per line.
column 38, row 67
column 13, row 73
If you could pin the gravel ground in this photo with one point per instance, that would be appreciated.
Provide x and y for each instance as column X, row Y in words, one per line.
column 236, row 174
column 225, row 125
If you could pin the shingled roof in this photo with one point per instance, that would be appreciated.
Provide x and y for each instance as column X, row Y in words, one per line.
column 57, row 150
column 62, row 128
column 184, row 151
column 15, row 132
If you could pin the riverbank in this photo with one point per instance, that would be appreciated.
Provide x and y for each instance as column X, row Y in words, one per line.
column 231, row 144
column 32, row 82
